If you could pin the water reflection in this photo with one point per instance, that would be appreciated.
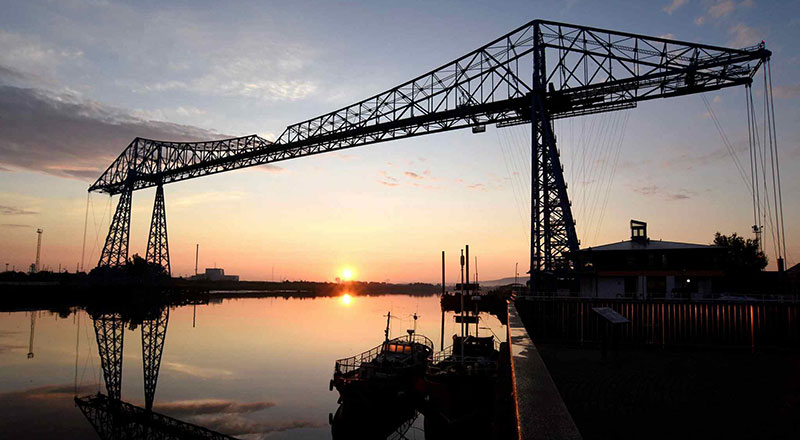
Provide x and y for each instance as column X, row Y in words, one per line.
column 251, row 368
column 113, row 418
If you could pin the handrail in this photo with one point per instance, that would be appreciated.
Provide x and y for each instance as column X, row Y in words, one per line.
column 446, row 358
column 353, row 363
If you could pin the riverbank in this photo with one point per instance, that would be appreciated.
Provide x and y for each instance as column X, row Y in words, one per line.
column 62, row 291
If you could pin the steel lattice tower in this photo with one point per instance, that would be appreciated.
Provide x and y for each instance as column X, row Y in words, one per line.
column 553, row 233
column 157, row 243
column 115, row 250
column 154, row 332
column 109, row 329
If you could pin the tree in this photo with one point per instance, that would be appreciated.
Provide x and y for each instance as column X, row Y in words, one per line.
column 742, row 256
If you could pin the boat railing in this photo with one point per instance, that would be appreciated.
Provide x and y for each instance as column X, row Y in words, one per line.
column 447, row 358
column 347, row 365
column 419, row 339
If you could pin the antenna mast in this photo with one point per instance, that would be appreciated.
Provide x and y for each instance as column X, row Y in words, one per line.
column 38, row 250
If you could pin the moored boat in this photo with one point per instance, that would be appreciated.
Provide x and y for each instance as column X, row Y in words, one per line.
column 380, row 388
column 461, row 383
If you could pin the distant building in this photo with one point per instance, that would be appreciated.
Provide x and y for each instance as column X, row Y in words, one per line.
column 214, row 274
column 649, row 269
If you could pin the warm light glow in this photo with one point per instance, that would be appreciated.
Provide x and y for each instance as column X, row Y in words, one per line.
column 347, row 299
column 347, row 274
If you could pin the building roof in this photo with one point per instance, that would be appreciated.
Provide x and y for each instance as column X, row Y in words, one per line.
column 630, row 245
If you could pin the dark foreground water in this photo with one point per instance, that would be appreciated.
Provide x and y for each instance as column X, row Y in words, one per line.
column 251, row 368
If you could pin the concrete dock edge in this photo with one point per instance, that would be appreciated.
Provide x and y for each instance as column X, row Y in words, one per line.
column 541, row 413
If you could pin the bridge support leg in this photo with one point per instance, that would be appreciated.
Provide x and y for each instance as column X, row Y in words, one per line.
column 553, row 234
column 157, row 243
column 109, row 329
column 154, row 332
column 115, row 250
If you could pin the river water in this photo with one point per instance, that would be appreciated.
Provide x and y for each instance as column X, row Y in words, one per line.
column 250, row 368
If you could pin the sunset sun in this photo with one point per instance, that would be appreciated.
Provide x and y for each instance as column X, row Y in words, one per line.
column 347, row 274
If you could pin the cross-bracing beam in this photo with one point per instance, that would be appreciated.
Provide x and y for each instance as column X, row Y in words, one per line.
column 564, row 70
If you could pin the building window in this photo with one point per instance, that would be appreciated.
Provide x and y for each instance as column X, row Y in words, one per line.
column 631, row 288
column 656, row 286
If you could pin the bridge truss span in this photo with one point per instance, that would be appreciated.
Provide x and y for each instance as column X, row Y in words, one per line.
column 535, row 74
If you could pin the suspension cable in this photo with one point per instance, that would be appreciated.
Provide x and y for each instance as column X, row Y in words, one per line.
column 768, row 129
column 725, row 141
column 779, row 201
column 753, row 191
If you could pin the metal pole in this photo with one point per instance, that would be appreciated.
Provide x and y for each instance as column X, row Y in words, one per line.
column 441, row 340
column 467, row 289
column 38, row 249
column 461, row 293
column 196, row 258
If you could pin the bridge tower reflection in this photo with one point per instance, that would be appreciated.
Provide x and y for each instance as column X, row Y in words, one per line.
column 114, row 419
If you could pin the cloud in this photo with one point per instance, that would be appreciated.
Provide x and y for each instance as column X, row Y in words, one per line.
column 646, row 190
column 182, row 408
column 44, row 412
column 663, row 193
column 674, row 5
column 12, row 210
column 269, row 168
column 387, row 183
column 678, row 196
column 669, row 36
column 786, row 92
column 196, row 371
column 57, row 391
column 477, row 186
column 5, row 348
column 15, row 225
column 237, row 425
column 743, row 36
column 66, row 136
column 692, row 159
column 231, row 74
column 412, row 175
column 721, row 8
column 24, row 58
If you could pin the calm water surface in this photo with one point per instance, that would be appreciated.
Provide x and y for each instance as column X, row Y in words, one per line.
column 251, row 368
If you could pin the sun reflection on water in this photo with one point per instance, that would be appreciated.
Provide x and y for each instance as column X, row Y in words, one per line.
column 346, row 299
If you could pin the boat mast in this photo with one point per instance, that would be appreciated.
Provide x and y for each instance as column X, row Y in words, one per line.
column 476, row 294
column 467, row 287
column 441, row 340
column 388, row 318
column 461, row 293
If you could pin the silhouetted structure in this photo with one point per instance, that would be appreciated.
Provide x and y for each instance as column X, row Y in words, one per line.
column 535, row 74
column 117, row 420
column 114, row 419
column 646, row 269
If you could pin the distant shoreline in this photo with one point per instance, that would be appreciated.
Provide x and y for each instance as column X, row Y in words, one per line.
column 63, row 291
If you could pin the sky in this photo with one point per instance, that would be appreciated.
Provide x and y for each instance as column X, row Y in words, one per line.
column 79, row 79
